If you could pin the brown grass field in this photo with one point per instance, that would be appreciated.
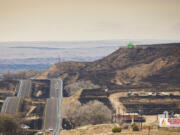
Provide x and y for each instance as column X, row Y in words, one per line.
column 106, row 129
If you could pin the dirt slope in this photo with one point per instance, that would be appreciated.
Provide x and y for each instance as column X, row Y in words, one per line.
column 139, row 66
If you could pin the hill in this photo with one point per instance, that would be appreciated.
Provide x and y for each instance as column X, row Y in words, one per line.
column 142, row 66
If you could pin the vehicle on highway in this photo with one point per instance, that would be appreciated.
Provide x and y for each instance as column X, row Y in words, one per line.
column 40, row 133
column 50, row 129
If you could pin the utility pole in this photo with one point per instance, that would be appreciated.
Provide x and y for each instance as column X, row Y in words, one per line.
column 149, row 128
column 59, row 59
column 140, row 112
column 106, row 91
column 115, row 115
column 118, row 115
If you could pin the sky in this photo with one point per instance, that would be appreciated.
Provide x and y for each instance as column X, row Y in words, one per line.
column 80, row 20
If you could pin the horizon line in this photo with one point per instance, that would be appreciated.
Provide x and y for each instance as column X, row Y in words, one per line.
column 91, row 40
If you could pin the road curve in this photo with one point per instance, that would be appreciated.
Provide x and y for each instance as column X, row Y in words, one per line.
column 10, row 105
column 24, row 88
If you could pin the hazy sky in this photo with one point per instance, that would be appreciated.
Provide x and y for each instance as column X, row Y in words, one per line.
column 68, row 20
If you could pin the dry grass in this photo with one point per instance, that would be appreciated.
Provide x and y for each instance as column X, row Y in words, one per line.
column 118, row 106
column 106, row 129
column 133, row 66
column 150, row 120
column 71, row 99
column 44, row 75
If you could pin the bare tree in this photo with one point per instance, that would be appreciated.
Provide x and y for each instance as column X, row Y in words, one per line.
column 94, row 112
column 8, row 75
column 72, row 114
column 9, row 125
column 20, row 74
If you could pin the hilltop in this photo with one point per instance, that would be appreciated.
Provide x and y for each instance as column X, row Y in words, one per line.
column 142, row 66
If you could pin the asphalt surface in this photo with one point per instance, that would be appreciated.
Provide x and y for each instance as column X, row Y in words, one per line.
column 10, row 105
column 50, row 120
column 52, row 114
column 55, row 88
column 24, row 88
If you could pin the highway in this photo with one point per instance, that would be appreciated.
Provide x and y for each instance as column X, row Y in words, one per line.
column 10, row 105
column 50, row 120
column 55, row 88
column 24, row 88
column 52, row 114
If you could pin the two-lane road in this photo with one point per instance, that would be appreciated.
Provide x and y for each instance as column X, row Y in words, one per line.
column 10, row 105
column 24, row 88
column 51, row 112
column 55, row 88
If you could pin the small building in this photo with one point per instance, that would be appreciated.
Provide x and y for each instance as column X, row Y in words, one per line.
column 150, row 93
column 177, row 115
column 165, row 93
column 136, row 94
column 157, row 94
column 130, row 93
column 130, row 117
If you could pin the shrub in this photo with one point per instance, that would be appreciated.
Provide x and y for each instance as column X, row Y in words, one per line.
column 135, row 127
column 9, row 125
column 72, row 88
column 94, row 112
column 116, row 129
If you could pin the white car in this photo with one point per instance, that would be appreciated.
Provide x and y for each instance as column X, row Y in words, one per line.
column 50, row 129
column 40, row 133
column 24, row 126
